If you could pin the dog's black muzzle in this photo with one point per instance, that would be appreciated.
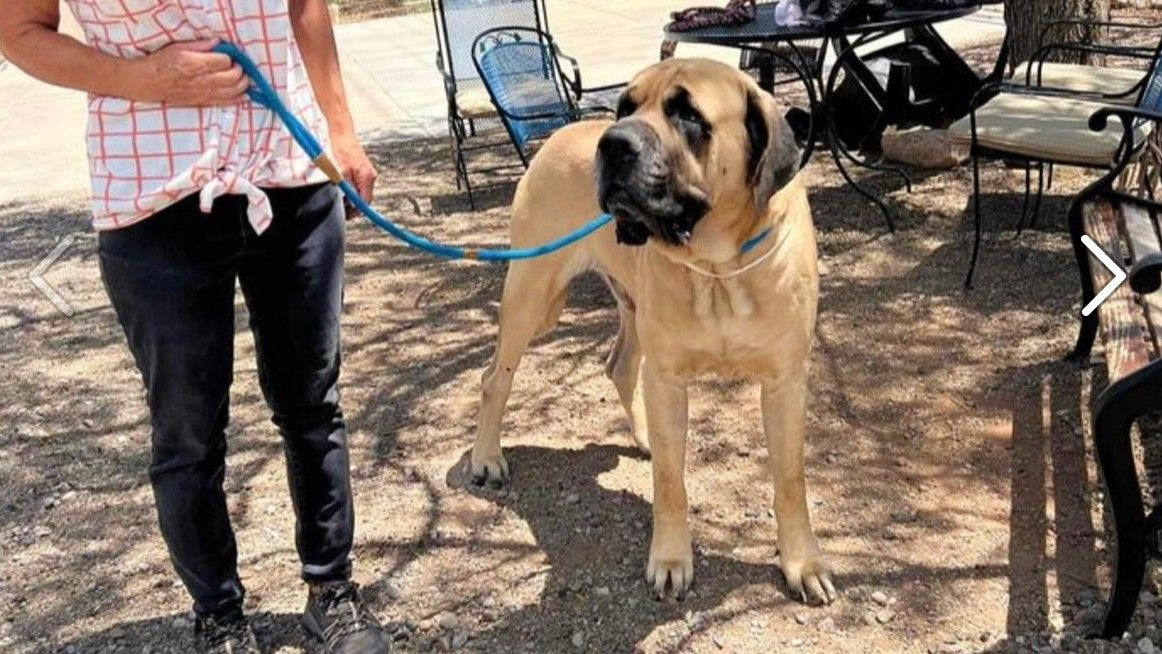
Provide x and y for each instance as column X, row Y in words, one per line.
column 636, row 186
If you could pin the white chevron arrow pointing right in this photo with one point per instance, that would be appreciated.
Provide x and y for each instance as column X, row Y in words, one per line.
column 1118, row 273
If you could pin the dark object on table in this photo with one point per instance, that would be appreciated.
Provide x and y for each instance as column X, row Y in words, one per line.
column 936, row 94
column 1126, row 227
column 736, row 12
column 845, row 12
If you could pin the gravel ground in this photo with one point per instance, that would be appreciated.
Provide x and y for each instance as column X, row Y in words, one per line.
column 949, row 471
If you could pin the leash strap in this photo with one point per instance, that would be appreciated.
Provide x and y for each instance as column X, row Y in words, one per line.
column 262, row 93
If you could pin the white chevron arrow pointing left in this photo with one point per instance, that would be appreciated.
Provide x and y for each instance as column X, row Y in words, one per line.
column 1115, row 269
column 36, row 275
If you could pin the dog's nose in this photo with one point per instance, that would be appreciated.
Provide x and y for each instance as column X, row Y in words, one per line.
column 620, row 143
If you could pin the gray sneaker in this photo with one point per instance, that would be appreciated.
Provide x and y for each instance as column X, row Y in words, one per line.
column 338, row 617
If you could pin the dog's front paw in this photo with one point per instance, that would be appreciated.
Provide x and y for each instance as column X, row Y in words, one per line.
column 491, row 470
column 808, row 575
column 671, row 562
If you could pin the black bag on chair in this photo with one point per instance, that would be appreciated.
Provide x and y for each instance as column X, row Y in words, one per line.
column 845, row 12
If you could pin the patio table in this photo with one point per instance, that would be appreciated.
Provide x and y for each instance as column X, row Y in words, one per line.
column 761, row 34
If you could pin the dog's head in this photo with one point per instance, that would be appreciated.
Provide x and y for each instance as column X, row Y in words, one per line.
column 695, row 140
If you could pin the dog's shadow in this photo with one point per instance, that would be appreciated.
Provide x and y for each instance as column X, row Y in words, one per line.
column 596, row 541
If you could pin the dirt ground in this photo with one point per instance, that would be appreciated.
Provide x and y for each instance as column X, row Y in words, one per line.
column 949, row 471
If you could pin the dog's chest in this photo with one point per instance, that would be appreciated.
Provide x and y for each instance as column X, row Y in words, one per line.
column 731, row 332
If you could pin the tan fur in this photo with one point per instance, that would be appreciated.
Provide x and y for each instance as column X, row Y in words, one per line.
column 676, row 324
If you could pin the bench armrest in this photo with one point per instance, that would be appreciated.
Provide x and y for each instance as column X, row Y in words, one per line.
column 1146, row 275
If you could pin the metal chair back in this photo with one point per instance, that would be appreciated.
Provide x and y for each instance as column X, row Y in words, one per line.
column 519, row 68
column 1151, row 96
column 458, row 22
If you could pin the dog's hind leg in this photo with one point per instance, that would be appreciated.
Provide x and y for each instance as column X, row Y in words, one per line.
column 624, row 367
column 531, row 303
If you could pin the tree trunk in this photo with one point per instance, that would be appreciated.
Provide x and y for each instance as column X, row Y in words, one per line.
column 1027, row 18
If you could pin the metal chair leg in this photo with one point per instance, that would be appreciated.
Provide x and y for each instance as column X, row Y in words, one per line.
column 1040, row 194
column 1089, row 324
column 1028, row 196
column 977, row 220
column 1111, row 431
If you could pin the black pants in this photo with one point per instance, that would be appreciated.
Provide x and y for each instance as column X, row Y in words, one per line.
column 171, row 280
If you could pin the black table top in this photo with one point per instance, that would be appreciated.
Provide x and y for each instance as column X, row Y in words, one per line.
column 764, row 28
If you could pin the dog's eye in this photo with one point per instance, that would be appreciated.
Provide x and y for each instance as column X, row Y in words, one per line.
column 688, row 115
column 626, row 107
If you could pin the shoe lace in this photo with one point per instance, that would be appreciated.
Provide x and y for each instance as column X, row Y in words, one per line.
column 346, row 613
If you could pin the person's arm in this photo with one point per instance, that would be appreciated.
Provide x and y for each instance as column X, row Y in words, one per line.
column 183, row 73
column 311, row 22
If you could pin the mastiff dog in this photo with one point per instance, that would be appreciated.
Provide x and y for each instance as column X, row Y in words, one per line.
column 713, row 265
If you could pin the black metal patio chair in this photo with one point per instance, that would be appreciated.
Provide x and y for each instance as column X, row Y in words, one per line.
column 471, row 112
column 1047, row 126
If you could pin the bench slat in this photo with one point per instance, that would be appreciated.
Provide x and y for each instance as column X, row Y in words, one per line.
column 1123, row 321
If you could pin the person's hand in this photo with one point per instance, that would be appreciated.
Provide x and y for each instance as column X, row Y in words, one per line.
column 355, row 167
column 189, row 74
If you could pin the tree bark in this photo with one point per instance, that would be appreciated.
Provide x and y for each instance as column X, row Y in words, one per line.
column 1027, row 18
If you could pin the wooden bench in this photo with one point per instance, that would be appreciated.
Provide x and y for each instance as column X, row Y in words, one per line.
column 1130, row 324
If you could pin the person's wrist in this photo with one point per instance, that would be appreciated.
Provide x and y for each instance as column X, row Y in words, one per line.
column 129, row 78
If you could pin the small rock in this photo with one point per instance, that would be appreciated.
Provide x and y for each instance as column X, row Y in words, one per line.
column 949, row 648
column 578, row 639
column 751, row 513
column 826, row 625
column 459, row 640
column 488, row 602
column 868, row 619
column 802, row 618
column 392, row 591
column 796, row 643
column 885, row 616
column 880, row 597
column 743, row 452
column 1145, row 645
column 602, row 591
column 447, row 621
column 48, row 503
column 717, row 641
column 572, row 498
column 181, row 623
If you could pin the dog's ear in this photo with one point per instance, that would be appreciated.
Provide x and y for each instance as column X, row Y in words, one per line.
column 774, row 155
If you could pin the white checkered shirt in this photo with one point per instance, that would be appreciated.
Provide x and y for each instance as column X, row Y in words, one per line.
column 144, row 156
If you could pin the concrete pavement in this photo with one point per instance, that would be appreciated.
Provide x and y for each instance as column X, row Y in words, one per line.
column 394, row 89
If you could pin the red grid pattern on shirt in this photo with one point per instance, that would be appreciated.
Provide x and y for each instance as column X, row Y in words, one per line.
column 144, row 156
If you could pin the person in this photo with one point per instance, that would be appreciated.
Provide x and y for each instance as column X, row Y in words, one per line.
column 195, row 188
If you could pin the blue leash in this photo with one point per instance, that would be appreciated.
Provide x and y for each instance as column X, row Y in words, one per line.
column 263, row 94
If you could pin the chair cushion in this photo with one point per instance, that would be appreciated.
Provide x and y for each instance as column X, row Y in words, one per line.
column 475, row 103
column 1087, row 79
column 1045, row 127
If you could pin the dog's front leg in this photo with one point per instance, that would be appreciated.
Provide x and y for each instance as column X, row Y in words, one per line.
column 671, row 554
column 784, row 420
